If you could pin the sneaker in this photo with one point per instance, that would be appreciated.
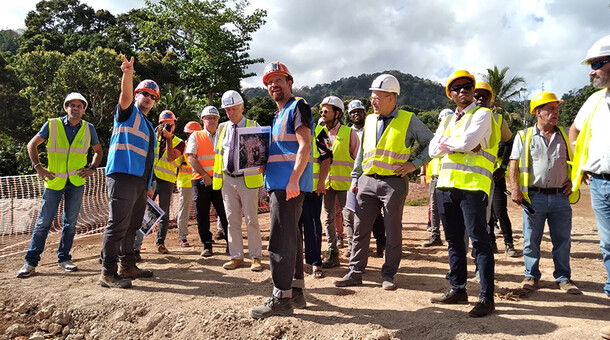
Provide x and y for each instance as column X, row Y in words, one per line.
column 510, row 250
column 184, row 244
column 298, row 298
column 219, row 236
column 332, row 260
column 273, row 306
column 569, row 287
column 388, row 283
column 133, row 272
column 26, row 271
column 484, row 307
column 435, row 240
column 529, row 283
column 232, row 264
column 207, row 252
column 162, row 249
column 114, row 281
column 347, row 281
column 339, row 242
column 256, row 265
column 451, row 297
column 137, row 255
column 68, row 266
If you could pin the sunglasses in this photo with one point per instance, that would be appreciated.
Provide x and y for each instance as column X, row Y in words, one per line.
column 325, row 111
column 596, row 65
column 480, row 96
column 458, row 88
column 146, row 94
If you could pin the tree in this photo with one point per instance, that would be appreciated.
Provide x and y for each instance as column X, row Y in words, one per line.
column 9, row 41
column 211, row 37
column 504, row 89
column 573, row 101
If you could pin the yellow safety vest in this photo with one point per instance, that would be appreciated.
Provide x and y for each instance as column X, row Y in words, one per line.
column 524, row 161
column 466, row 171
column 185, row 171
column 383, row 157
column 164, row 169
column 581, row 150
column 339, row 176
column 252, row 177
column 66, row 159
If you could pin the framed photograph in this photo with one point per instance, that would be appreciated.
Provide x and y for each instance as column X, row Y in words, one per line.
column 253, row 147
column 152, row 216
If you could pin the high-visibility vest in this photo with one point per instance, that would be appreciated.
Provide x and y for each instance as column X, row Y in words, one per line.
column 64, row 158
column 252, row 177
column 466, row 170
column 339, row 176
column 283, row 152
column 205, row 154
column 185, row 172
column 524, row 162
column 129, row 145
column 164, row 169
column 316, row 156
column 383, row 157
column 581, row 150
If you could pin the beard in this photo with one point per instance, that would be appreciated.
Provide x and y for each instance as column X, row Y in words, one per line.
column 601, row 81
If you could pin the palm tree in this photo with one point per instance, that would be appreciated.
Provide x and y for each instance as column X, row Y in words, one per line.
column 504, row 88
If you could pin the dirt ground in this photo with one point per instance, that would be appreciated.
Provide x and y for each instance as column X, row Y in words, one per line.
column 191, row 297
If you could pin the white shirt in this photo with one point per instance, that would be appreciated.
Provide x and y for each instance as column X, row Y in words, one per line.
column 599, row 145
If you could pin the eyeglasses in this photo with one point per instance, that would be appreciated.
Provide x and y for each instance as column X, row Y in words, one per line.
column 596, row 65
column 377, row 99
column 325, row 111
column 458, row 88
column 146, row 94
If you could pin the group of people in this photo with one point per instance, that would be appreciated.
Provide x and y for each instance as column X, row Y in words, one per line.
column 364, row 168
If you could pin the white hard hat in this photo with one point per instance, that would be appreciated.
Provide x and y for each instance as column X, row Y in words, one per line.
column 387, row 83
column 210, row 111
column 75, row 95
column 601, row 48
column 231, row 98
column 444, row 113
column 334, row 101
column 355, row 104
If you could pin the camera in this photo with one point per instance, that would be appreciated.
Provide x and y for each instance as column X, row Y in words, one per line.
column 167, row 127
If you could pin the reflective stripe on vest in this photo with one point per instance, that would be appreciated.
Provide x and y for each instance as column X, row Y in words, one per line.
column 252, row 177
column 185, row 171
column 524, row 161
column 283, row 152
column 66, row 159
column 466, row 171
column 164, row 169
column 383, row 157
column 339, row 176
column 205, row 154
column 581, row 150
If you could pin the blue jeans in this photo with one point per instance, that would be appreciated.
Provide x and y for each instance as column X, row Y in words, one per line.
column 600, row 202
column 554, row 208
column 48, row 211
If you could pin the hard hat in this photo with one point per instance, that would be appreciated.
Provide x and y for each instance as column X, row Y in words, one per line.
column 444, row 113
column 210, row 111
column 455, row 75
column 231, row 98
column 192, row 126
column 387, row 83
column 334, row 101
column 166, row 115
column 149, row 86
column 543, row 98
column 481, row 85
column 275, row 68
column 75, row 95
column 354, row 105
column 601, row 48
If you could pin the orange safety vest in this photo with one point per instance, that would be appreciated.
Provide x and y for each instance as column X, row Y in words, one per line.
column 205, row 154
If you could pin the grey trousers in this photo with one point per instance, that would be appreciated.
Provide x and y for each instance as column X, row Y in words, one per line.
column 435, row 218
column 388, row 194
column 329, row 222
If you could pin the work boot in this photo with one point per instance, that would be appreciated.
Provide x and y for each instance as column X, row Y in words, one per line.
column 435, row 240
column 162, row 249
column 332, row 260
column 298, row 298
column 133, row 272
column 450, row 297
column 232, row 264
column 510, row 250
column 529, row 283
column 114, row 281
column 273, row 306
column 484, row 307
column 569, row 287
column 256, row 265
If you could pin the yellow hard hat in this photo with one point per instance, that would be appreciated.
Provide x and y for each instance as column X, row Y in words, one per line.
column 543, row 98
column 455, row 75
column 481, row 85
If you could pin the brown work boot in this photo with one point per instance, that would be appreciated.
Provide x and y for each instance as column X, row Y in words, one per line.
column 133, row 272
column 114, row 281
column 256, row 265
column 162, row 249
column 569, row 287
column 232, row 264
column 529, row 283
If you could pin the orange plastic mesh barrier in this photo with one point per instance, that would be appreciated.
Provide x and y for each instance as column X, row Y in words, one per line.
column 21, row 196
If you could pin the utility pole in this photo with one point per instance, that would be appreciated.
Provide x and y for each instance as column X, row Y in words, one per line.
column 523, row 93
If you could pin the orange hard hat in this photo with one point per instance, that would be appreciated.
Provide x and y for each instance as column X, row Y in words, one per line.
column 275, row 68
column 166, row 115
column 192, row 126
column 149, row 86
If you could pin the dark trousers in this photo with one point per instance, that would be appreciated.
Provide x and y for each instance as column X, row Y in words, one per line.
column 461, row 211
column 500, row 213
column 310, row 226
column 379, row 231
column 204, row 196
column 127, row 204
column 164, row 190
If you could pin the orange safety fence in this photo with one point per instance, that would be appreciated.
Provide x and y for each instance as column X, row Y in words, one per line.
column 20, row 200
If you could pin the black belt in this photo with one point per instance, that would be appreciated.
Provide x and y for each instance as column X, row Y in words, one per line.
column 601, row 176
column 231, row 175
column 548, row 191
column 376, row 176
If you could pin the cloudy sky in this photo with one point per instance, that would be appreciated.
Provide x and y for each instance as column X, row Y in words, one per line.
column 321, row 41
